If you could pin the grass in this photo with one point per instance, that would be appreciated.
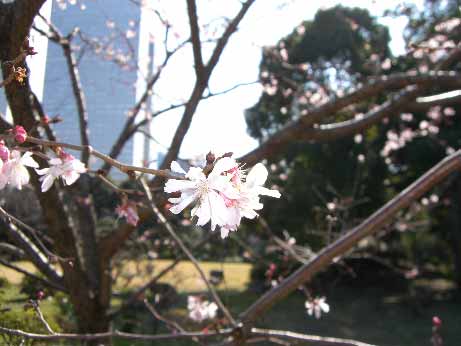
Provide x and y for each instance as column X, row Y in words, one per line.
column 371, row 313
column 184, row 277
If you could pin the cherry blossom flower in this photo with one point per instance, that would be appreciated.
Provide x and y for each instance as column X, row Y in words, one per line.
column 200, row 310
column 317, row 306
column 66, row 167
column 224, row 196
column 129, row 211
column 248, row 200
column 208, row 192
column 14, row 171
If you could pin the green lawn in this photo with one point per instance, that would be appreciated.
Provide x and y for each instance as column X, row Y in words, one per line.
column 371, row 314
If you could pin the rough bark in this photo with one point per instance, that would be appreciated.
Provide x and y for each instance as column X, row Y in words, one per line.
column 68, row 213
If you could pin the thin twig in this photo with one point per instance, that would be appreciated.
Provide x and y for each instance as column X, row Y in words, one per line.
column 40, row 316
column 122, row 167
column 115, row 334
column 187, row 252
column 314, row 339
column 32, row 275
column 135, row 296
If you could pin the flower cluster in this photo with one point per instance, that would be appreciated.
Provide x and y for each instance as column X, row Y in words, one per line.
column 200, row 310
column 222, row 195
column 13, row 165
column 66, row 167
column 316, row 306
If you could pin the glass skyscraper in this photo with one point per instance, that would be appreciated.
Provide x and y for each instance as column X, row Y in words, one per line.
column 108, row 51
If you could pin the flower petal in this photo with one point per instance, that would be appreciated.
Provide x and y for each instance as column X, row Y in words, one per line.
column 175, row 167
column 257, row 176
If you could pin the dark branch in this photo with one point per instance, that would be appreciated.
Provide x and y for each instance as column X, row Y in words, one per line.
column 370, row 226
column 195, row 37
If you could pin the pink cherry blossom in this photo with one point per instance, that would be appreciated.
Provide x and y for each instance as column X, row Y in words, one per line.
column 129, row 211
column 4, row 151
column 20, row 134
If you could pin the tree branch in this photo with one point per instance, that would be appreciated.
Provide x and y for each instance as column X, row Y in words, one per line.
column 195, row 37
column 138, row 293
column 331, row 132
column 187, row 252
column 200, row 86
column 115, row 334
column 304, row 338
column 33, row 276
column 130, row 127
column 345, row 243
column 37, row 257
column 300, row 128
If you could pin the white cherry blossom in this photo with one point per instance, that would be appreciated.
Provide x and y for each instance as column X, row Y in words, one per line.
column 200, row 310
column 208, row 192
column 317, row 306
column 68, row 168
column 14, row 171
column 223, row 197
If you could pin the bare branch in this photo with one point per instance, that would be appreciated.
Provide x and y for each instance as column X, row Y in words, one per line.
column 40, row 316
column 32, row 275
column 195, row 37
column 302, row 127
column 345, row 243
column 115, row 334
column 12, row 250
column 304, row 338
column 38, row 258
column 174, row 326
column 122, row 167
column 136, row 295
column 330, row 132
column 186, row 251
column 130, row 127
column 200, row 86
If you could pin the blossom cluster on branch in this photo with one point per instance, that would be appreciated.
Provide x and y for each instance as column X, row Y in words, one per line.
column 222, row 192
column 13, row 165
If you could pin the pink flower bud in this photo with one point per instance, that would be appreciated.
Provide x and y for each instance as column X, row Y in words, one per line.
column 40, row 295
column 20, row 134
column 436, row 321
column 4, row 151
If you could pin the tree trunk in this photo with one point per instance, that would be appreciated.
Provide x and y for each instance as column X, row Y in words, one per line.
column 68, row 213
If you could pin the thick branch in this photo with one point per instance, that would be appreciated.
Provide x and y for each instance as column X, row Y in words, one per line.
column 277, row 142
column 200, row 86
column 195, row 37
column 331, row 132
column 345, row 243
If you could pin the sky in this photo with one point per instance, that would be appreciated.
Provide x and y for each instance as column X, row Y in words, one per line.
column 219, row 123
